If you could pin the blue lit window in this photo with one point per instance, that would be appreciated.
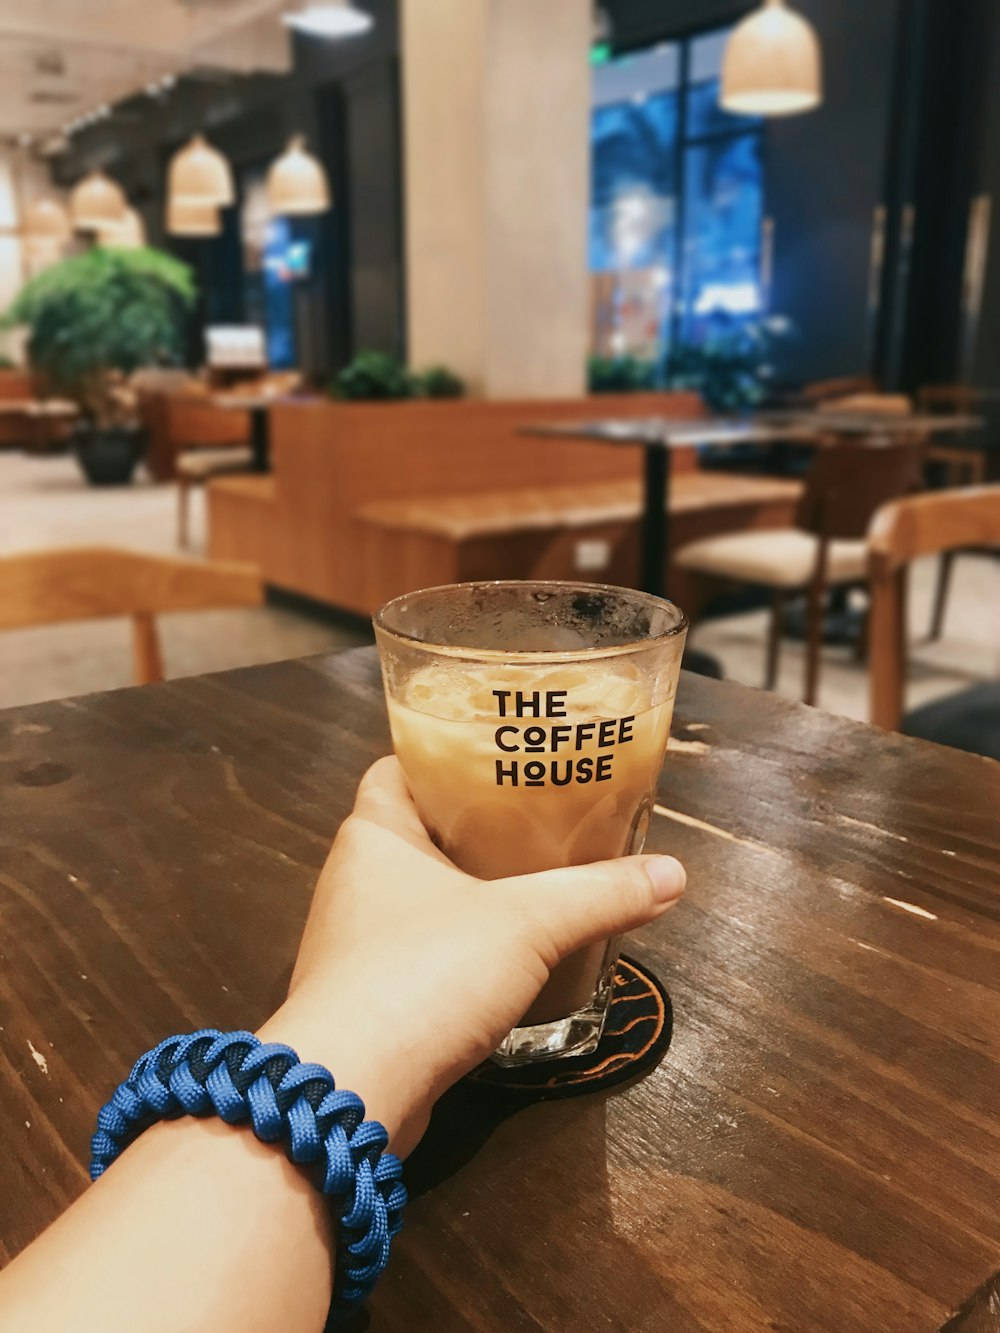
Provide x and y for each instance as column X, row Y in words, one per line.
column 677, row 200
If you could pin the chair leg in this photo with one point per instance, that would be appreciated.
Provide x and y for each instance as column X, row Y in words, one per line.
column 183, row 499
column 146, row 654
column 774, row 638
column 814, row 638
column 941, row 590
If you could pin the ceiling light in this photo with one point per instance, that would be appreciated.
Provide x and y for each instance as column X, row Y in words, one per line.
column 47, row 217
column 189, row 218
column 772, row 64
column 128, row 234
column 96, row 202
column 200, row 174
column 331, row 18
column 296, row 182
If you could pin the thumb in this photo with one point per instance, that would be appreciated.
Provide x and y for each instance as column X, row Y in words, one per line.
column 577, row 905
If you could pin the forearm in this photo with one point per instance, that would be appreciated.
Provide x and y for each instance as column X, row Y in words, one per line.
column 197, row 1225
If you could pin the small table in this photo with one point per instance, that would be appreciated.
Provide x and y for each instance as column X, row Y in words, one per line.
column 820, row 1148
column 659, row 435
column 257, row 406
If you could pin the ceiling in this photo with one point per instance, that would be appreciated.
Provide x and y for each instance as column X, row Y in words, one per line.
column 61, row 60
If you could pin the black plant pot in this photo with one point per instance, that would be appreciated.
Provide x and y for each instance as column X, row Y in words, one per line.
column 108, row 456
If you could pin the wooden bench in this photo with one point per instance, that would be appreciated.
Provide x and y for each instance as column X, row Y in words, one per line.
column 367, row 500
column 588, row 530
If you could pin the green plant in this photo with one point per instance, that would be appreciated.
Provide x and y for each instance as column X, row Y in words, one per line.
column 96, row 317
column 730, row 365
column 7, row 363
column 619, row 374
column 440, row 382
column 374, row 377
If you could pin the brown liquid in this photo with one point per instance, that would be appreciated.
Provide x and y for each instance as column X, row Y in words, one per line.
column 596, row 747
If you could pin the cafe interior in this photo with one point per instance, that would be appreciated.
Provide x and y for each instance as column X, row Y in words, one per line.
column 310, row 304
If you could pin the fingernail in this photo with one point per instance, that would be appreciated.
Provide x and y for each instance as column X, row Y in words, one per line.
column 667, row 877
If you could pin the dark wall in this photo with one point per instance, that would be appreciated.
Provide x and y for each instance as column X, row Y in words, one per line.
column 343, row 95
column 826, row 169
column 826, row 174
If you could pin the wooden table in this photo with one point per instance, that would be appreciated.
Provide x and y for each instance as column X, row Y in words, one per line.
column 658, row 436
column 819, row 1150
column 257, row 406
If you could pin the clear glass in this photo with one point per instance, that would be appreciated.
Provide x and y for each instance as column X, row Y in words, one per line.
column 531, row 721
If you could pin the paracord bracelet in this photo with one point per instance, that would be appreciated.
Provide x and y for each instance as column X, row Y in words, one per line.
column 244, row 1079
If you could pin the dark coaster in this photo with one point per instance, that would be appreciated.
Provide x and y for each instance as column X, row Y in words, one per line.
column 635, row 1040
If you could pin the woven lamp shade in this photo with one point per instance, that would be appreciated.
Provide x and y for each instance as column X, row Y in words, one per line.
column 96, row 202
column 129, row 234
column 185, row 218
column 47, row 219
column 772, row 65
column 199, row 174
column 296, row 183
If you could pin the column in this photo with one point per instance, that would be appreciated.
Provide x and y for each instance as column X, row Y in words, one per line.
column 496, row 110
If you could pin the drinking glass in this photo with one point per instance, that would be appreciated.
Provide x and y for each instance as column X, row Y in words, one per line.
column 531, row 721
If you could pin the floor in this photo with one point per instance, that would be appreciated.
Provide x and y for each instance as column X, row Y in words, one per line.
column 44, row 502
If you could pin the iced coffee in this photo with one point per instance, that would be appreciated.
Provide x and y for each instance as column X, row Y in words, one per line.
column 541, row 753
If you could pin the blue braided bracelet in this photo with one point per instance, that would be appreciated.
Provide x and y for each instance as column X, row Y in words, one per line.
column 243, row 1079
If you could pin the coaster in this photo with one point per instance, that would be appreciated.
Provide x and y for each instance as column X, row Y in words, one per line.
column 635, row 1040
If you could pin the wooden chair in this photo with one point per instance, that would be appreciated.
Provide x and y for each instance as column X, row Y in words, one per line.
column 177, row 422
column 819, row 391
column 848, row 482
column 887, row 404
column 901, row 532
column 91, row 583
column 964, row 465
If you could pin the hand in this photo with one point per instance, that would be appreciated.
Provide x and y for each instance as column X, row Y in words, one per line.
column 411, row 972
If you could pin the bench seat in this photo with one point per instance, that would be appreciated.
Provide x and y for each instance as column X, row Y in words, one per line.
column 588, row 530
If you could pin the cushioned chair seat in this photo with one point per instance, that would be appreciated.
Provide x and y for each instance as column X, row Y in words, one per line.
column 200, row 464
column 776, row 558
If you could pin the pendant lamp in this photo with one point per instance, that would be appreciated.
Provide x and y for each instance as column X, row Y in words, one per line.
column 296, row 182
column 187, row 218
column 198, row 173
column 96, row 202
column 47, row 219
column 129, row 234
column 328, row 18
column 772, row 64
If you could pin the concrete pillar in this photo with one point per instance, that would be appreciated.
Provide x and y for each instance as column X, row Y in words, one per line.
column 496, row 98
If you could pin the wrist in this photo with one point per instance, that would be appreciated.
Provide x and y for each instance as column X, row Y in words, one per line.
column 356, row 1059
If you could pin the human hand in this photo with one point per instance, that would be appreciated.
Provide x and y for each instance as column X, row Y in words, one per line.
column 411, row 972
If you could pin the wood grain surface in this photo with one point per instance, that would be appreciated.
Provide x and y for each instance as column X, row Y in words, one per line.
column 820, row 1149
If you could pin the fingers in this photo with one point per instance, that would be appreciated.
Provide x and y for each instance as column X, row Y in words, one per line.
column 575, row 906
column 384, row 798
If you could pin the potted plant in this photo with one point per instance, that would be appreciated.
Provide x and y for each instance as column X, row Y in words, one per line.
column 93, row 319
column 730, row 364
column 378, row 377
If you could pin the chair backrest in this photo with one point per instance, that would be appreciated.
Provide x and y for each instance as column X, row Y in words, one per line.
column 850, row 479
column 819, row 391
column 884, row 404
column 961, row 398
column 90, row 583
column 901, row 532
column 16, row 383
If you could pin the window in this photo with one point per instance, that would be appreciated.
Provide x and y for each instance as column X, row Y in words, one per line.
column 268, row 272
column 677, row 200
